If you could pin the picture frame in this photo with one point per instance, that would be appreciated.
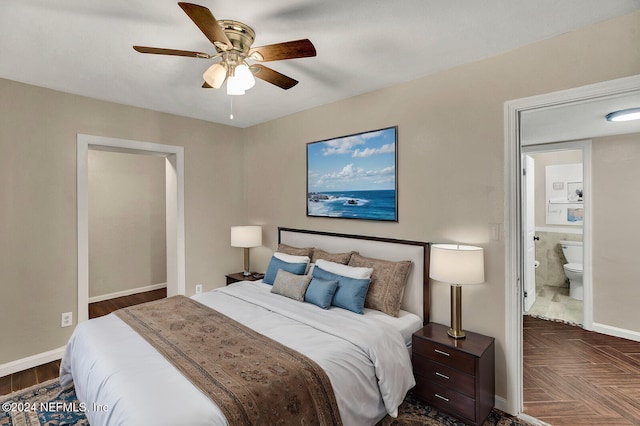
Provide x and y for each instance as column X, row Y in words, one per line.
column 354, row 176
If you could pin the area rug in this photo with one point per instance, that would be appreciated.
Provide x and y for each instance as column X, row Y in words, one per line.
column 45, row 404
column 414, row 412
column 49, row 404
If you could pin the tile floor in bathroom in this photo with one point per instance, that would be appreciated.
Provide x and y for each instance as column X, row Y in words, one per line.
column 554, row 303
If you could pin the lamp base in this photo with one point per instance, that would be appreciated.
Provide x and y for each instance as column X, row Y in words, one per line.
column 456, row 334
column 456, row 313
column 246, row 273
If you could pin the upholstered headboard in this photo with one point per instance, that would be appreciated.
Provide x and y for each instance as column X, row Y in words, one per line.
column 416, row 294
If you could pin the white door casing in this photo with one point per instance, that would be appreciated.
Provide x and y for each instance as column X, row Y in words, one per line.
column 174, row 171
column 529, row 185
column 513, row 227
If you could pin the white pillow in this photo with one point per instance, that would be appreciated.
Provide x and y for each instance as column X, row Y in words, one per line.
column 290, row 258
column 344, row 270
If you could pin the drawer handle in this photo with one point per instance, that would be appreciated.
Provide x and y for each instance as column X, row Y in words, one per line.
column 441, row 397
column 442, row 375
column 441, row 352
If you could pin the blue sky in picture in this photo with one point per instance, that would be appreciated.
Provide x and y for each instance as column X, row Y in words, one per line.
column 361, row 162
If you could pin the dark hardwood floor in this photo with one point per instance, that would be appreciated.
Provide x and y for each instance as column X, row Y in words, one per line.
column 42, row 373
column 105, row 307
column 578, row 377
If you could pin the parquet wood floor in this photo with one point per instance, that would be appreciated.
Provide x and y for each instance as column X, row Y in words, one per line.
column 42, row 373
column 578, row 377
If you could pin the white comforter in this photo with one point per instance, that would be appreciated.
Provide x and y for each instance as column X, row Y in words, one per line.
column 124, row 381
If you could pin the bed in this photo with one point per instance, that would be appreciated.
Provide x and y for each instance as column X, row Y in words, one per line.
column 123, row 378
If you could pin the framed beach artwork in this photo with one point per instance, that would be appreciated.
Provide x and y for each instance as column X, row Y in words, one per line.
column 354, row 176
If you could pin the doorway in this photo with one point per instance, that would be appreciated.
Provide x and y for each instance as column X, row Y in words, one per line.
column 174, row 185
column 556, row 209
column 514, row 249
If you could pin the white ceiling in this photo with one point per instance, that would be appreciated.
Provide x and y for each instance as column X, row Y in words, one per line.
column 85, row 46
column 580, row 120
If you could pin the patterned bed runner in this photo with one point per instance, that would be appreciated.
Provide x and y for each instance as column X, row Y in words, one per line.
column 252, row 378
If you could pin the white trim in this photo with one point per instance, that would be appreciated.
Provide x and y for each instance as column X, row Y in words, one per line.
column 615, row 331
column 513, row 259
column 559, row 230
column 31, row 361
column 527, row 418
column 174, row 156
column 128, row 292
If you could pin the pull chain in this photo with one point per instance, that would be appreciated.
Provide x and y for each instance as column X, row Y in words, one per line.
column 231, row 107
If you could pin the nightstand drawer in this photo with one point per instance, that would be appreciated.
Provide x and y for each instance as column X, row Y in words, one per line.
column 445, row 376
column 445, row 355
column 445, row 399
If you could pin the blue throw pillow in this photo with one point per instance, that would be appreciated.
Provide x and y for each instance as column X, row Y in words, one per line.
column 276, row 264
column 350, row 293
column 320, row 292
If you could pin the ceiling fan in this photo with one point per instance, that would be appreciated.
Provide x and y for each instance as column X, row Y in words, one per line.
column 233, row 40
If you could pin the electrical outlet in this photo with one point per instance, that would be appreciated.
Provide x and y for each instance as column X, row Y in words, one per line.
column 67, row 319
column 198, row 288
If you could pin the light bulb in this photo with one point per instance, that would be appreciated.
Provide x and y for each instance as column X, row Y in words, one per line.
column 234, row 86
column 245, row 76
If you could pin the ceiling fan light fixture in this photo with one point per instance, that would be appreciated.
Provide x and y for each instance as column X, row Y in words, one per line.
column 234, row 86
column 215, row 75
column 624, row 115
column 247, row 81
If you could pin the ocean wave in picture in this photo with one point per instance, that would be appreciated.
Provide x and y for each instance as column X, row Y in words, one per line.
column 353, row 204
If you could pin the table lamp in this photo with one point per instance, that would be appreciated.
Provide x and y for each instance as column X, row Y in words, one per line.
column 457, row 265
column 246, row 237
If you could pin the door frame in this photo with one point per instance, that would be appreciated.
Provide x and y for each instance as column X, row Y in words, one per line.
column 513, row 214
column 174, row 172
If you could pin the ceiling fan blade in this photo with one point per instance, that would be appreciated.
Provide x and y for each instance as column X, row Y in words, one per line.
column 287, row 50
column 161, row 51
column 215, row 75
column 208, row 24
column 273, row 77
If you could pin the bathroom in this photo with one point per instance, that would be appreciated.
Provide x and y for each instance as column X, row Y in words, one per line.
column 559, row 218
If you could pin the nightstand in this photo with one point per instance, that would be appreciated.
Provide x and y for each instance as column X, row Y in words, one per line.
column 238, row 276
column 455, row 376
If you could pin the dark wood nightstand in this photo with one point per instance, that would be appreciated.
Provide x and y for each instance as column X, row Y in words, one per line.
column 238, row 276
column 455, row 376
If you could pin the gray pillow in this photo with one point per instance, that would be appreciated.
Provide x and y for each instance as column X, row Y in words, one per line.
column 295, row 251
column 387, row 283
column 332, row 257
column 291, row 285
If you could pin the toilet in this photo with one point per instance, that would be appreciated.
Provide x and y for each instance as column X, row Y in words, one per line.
column 573, row 269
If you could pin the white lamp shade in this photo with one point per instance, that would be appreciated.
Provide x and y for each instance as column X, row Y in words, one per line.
column 457, row 264
column 246, row 236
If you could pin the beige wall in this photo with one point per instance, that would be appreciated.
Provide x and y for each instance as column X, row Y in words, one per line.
column 450, row 155
column 616, row 175
column 38, row 238
column 127, row 221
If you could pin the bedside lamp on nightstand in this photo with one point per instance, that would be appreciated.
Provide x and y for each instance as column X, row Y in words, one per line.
column 246, row 237
column 457, row 265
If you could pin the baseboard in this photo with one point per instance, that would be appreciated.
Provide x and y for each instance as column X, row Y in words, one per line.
column 127, row 292
column 31, row 361
column 615, row 331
